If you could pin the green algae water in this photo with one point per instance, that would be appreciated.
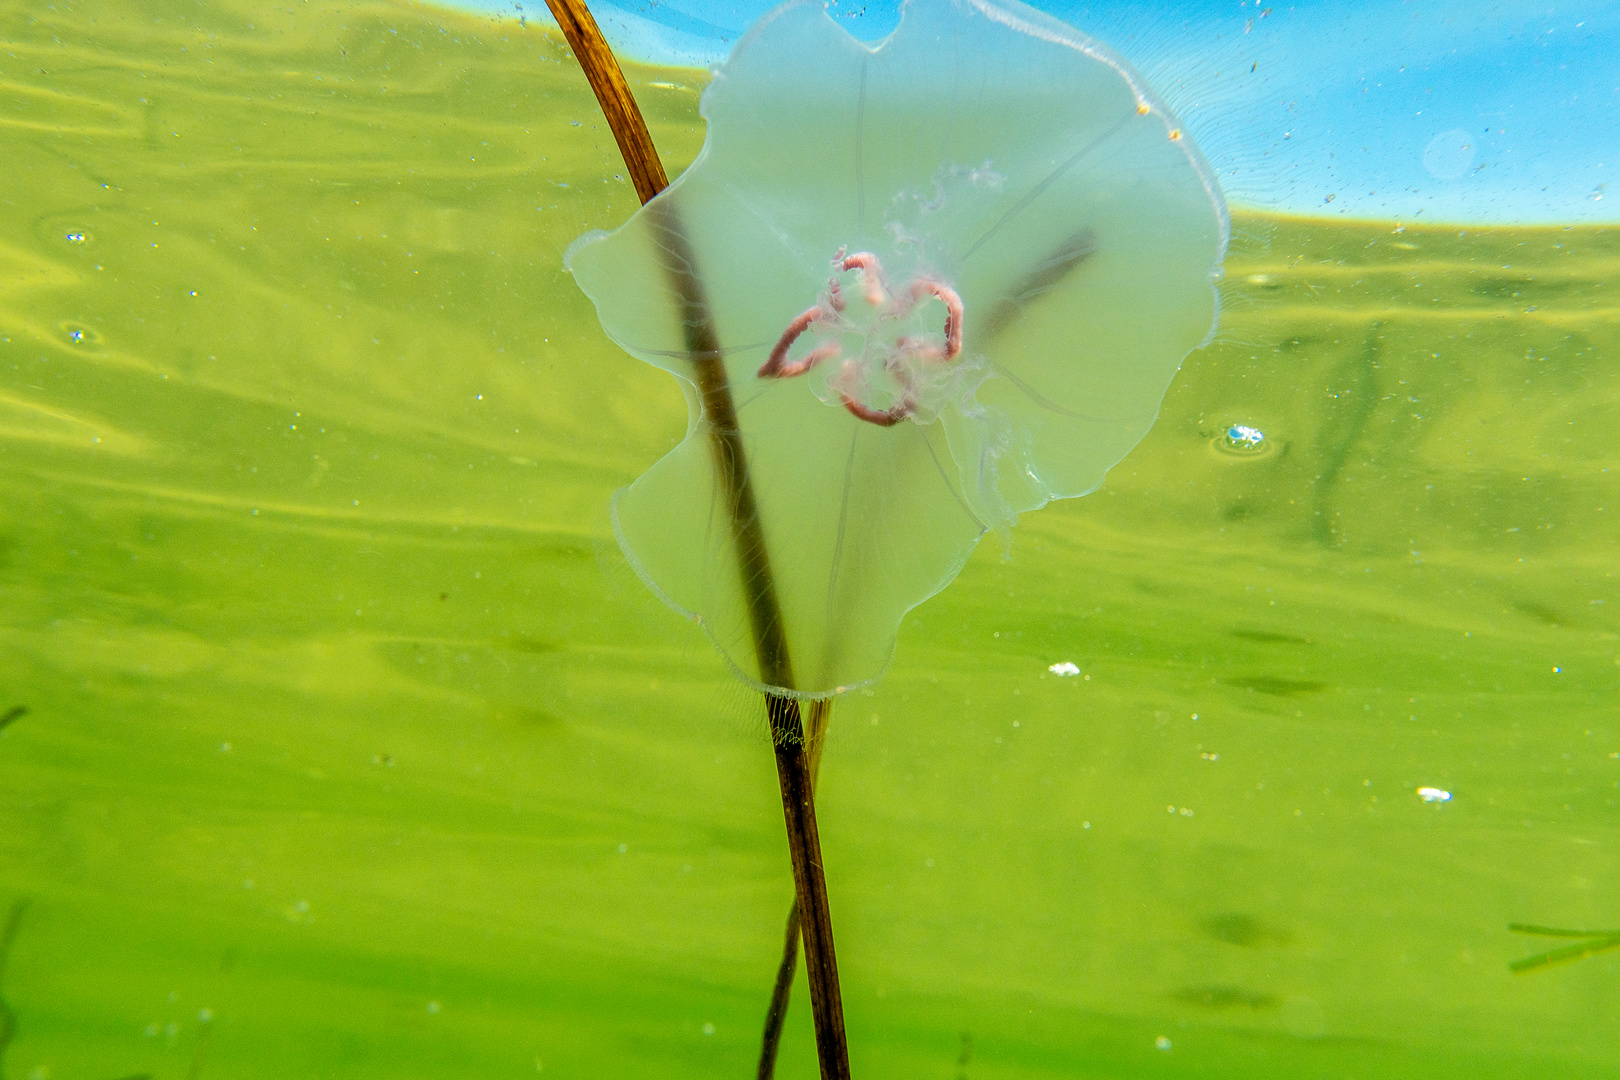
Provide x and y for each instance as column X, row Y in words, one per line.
column 337, row 740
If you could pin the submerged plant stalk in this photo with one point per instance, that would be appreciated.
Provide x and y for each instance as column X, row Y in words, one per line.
column 776, row 1015
column 753, row 558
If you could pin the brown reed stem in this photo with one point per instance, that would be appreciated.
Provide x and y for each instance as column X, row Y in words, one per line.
column 613, row 95
column 753, row 558
column 776, row 1014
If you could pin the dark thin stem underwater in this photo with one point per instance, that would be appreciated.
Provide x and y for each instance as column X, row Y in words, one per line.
column 776, row 1015
column 753, row 558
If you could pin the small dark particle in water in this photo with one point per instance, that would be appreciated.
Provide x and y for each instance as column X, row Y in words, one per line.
column 1268, row 637
column 16, row 712
column 1042, row 278
column 1225, row 997
column 1277, row 686
column 1541, row 612
column 1242, row 929
column 1594, row 943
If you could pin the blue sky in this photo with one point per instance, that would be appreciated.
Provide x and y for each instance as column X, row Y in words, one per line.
column 1455, row 112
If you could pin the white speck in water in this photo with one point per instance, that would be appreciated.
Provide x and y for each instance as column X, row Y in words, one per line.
column 433, row 1007
column 75, row 237
column 708, row 1029
column 1162, row 1042
column 1433, row 794
column 1064, row 669
column 623, row 848
column 205, row 1015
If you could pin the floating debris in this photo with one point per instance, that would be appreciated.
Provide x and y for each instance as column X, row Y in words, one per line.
column 1433, row 794
column 1064, row 670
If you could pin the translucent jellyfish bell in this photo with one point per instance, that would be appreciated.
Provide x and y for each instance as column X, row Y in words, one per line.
column 952, row 276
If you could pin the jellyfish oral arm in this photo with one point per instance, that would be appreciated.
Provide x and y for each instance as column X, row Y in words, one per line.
column 778, row 367
column 887, row 306
column 953, row 312
column 883, row 417
column 877, row 294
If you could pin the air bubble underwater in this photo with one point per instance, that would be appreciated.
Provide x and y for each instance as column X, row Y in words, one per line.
column 1244, row 438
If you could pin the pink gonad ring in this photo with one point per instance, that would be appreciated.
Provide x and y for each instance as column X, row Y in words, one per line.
column 900, row 361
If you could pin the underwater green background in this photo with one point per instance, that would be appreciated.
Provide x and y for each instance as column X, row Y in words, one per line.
column 352, row 747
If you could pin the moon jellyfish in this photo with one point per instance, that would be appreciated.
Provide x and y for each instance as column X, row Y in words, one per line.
column 951, row 274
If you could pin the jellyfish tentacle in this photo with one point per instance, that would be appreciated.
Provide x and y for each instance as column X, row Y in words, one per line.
column 774, row 366
column 908, row 351
column 846, row 381
column 877, row 293
column 919, row 348
column 882, row 418
column 809, row 360
column 953, row 311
